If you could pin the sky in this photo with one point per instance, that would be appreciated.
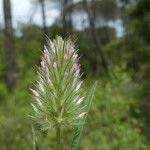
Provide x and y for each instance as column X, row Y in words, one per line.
column 22, row 10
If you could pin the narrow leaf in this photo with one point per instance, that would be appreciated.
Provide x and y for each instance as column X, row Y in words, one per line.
column 35, row 143
column 78, row 130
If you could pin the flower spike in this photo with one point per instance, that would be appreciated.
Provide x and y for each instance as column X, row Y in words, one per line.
column 58, row 98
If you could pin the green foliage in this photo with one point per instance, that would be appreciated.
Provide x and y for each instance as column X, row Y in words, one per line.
column 140, row 30
column 111, row 124
column 137, row 37
column 115, row 51
column 141, row 15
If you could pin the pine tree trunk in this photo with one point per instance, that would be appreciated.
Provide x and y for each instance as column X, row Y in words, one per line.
column 11, row 72
column 42, row 3
column 66, row 17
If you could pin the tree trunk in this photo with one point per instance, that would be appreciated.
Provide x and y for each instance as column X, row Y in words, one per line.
column 11, row 73
column 96, row 40
column 42, row 3
column 66, row 17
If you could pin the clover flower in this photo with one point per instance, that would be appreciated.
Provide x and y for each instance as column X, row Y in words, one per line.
column 58, row 98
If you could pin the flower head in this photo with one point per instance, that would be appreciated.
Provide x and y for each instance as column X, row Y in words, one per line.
column 58, row 98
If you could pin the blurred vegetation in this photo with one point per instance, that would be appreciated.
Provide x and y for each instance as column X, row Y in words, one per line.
column 120, row 114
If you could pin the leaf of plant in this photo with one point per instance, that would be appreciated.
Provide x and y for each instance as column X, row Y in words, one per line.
column 35, row 143
column 78, row 130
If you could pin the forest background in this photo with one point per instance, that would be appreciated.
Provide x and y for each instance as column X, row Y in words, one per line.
column 113, row 38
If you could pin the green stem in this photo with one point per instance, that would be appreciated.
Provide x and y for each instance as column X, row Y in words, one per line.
column 58, row 138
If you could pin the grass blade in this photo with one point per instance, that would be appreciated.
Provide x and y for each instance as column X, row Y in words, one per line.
column 78, row 130
column 35, row 143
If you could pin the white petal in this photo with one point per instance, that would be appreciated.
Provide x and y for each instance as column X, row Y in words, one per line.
column 80, row 100
column 39, row 102
column 78, row 86
column 40, row 86
column 42, row 64
column 34, row 108
column 34, row 92
column 52, row 46
column 46, row 50
column 82, row 114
